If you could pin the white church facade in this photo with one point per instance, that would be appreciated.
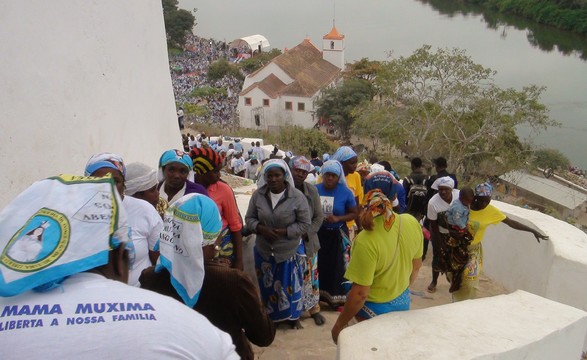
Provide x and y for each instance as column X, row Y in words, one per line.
column 284, row 91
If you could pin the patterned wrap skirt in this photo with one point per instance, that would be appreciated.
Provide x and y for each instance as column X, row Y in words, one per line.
column 281, row 285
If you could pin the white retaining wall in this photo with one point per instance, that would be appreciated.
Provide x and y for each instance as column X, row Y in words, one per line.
column 505, row 327
column 80, row 77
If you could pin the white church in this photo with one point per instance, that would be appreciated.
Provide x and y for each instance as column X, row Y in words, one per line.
column 283, row 92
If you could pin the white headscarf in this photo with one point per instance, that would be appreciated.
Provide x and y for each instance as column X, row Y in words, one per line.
column 271, row 164
column 139, row 177
column 445, row 181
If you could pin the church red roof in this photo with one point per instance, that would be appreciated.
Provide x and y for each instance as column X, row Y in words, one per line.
column 333, row 35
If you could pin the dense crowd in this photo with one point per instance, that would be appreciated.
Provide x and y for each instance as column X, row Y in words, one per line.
column 189, row 71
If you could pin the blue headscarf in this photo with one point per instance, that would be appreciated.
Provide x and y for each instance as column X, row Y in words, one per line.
column 191, row 223
column 325, row 157
column 383, row 181
column 343, row 153
column 334, row 167
column 105, row 160
column 175, row 156
column 484, row 189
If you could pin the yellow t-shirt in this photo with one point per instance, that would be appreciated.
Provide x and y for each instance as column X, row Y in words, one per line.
column 372, row 257
column 480, row 220
column 353, row 181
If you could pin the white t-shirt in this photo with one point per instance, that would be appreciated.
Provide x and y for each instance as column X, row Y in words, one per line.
column 275, row 198
column 145, row 224
column 436, row 206
column 93, row 318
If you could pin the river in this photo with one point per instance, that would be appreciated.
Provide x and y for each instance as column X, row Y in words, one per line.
column 521, row 51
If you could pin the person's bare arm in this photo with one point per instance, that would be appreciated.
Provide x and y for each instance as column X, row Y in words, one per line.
column 519, row 226
column 354, row 302
column 416, row 265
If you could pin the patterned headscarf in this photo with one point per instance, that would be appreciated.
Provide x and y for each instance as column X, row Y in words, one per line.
column 272, row 164
column 300, row 162
column 378, row 204
column 205, row 160
column 343, row 153
column 175, row 156
column 484, row 189
column 334, row 167
column 105, row 160
column 139, row 177
column 59, row 227
column 364, row 166
column 382, row 181
column 191, row 223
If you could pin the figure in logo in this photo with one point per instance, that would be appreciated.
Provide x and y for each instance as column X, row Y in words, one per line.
column 267, row 274
column 28, row 247
column 282, row 302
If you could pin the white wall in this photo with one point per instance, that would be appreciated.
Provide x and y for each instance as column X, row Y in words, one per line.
column 555, row 269
column 80, row 77
column 514, row 326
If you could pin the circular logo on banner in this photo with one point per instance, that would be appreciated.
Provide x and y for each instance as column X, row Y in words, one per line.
column 39, row 243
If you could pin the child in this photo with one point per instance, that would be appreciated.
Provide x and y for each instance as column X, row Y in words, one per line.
column 457, row 217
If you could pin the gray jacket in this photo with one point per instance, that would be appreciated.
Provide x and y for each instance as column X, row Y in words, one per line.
column 312, row 243
column 291, row 212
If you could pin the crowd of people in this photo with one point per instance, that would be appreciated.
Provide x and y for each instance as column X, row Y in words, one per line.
column 189, row 71
column 338, row 239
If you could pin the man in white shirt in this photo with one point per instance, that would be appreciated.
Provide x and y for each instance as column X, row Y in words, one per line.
column 237, row 164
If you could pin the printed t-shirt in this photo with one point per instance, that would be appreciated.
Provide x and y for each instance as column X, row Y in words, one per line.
column 145, row 224
column 223, row 196
column 93, row 318
column 335, row 202
column 372, row 257
column 480, row 220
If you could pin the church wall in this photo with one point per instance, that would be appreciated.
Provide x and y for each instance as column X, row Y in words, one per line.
column 80, row 77
column 271, row 68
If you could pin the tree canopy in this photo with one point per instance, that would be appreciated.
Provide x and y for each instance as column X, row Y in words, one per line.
column 551, row 158
column 337, row 103
column 178, row 22
column 440, row 102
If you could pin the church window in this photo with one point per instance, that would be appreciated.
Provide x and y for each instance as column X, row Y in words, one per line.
column 288, row 105
column 265, row 102
column 248, row 101
column 332, row 45
column 301, row 106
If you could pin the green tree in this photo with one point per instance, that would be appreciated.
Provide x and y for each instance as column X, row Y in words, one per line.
column 221, row 68
column 550, row 158
column 442, row 103
column 337, row 103
column 178, row 23
column 364, row 69
column 256, row 62
column 301, row 141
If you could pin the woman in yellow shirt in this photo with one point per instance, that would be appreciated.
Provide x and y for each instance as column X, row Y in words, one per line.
column 481, row 216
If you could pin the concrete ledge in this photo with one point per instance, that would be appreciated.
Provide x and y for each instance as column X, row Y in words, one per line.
column 515, row 326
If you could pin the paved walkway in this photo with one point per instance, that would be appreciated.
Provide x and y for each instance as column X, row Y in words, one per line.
column 315, row 342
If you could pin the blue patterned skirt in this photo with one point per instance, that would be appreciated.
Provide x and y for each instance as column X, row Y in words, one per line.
column 371, row 309
column 281, row 285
